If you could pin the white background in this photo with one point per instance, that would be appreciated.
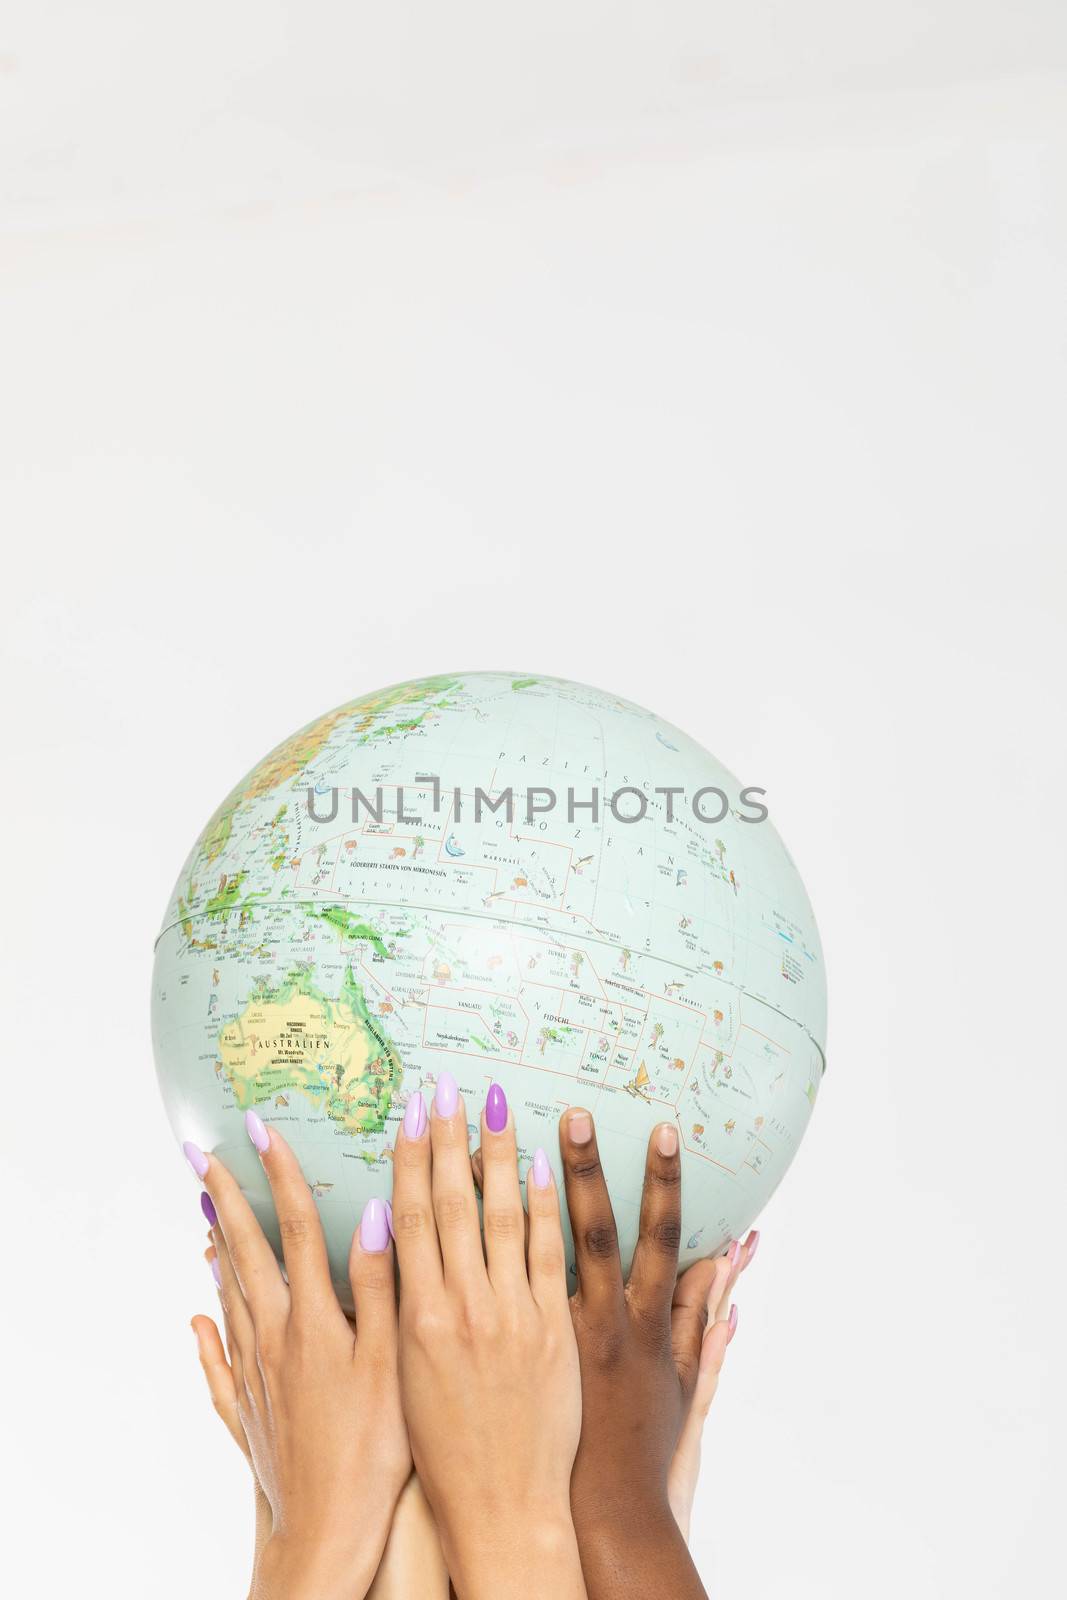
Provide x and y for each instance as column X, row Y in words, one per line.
column 711, row 353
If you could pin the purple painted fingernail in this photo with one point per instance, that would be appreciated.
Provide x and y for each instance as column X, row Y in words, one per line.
column 389, row 1218
column 732, row 1324
column 374, row 1228
column 215, row 1273
column 195, row 1157
column 496, row 1109
column 542, row 1172
column 446, row 1099
column 415, row 1117
column 257, row 1132
column 207, row 1206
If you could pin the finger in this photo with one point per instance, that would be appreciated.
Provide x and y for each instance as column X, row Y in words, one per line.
column 502, row 1215
column 373, row 1278
column 413, row 1220
column 307, row 1264
column 219, row 1376
column 547, row 1259
column 454, row 1206
column 240, row 1328
column 690, row 1311
column 596, row 1241
column 254, row 1263
column 476, row 1173
column 655, row 1264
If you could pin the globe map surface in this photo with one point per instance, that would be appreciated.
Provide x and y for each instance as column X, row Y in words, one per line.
column 322, row 969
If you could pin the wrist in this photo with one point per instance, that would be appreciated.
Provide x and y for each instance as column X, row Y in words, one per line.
column 312, row 1569
column 492, row 1558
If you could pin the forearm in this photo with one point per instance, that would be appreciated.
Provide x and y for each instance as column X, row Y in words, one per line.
column 413, row 1563
column 634, row 1553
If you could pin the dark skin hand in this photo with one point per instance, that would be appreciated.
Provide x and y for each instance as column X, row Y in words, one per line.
column 639, row 1345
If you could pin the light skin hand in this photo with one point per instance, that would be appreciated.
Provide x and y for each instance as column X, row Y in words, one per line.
column 639, row 1344
column 722, row 1323
column 319, row 1402
column 412, row 1563
column 489, row 1367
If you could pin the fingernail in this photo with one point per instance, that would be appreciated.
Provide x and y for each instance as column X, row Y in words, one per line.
column 667, row 1139
column 496, row 1109
column 207, row 1206
column 257, row 1132
column 415, row 1117
column 374, row 1228
column 733, row 1252
column 446, row 1099
column 732, row 1324
column 195, row 1157
column 580, row 1127
column 542, row 1172
column 389, row 1218
column 215, row 1273
column 753, row 1241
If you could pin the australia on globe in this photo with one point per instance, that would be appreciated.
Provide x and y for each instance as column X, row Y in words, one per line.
column 519, row 879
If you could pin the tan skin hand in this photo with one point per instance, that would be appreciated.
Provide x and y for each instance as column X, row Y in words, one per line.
column 318, row 1401
column 412, row 1564
column 489, row 1368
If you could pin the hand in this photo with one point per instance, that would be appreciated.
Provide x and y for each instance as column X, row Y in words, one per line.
column 319, row 1403
column 413, row 1562
column 722, row 1325
column 639, row 1345
column 488, row 1364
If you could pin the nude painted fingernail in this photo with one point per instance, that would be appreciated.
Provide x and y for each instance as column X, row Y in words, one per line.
column 446, row 1099
column 207, row 1206
column 374, row 1228
column 542, row 1172
column 195, row 1157
column 415, row 1117
column 215, row 1273
column 733, row 1252
column 257, row 1132
column 753, row 1241
column 580, row 1127
column 496, row 1109
column 667, row 1139
column 732, row 1323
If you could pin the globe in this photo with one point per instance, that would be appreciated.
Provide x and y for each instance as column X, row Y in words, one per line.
column 519, row 879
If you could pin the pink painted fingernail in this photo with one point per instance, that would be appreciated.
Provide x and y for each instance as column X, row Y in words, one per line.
column 446, row 1099
column 750, row 1246
column 733, row 1252
column 215, row 1273
column 207, row 1206
column 580, row 1127
column 374, row 1228
column 257, row 1132
column 732, row 1323
column 415, row 1117
column 195, row 1157
column 667, row 1139
column 496, row 1109
column 542, row 1172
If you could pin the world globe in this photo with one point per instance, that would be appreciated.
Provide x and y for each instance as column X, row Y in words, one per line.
column 518, row 879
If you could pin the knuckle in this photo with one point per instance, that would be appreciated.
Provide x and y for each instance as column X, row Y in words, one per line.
column 547, row 1260
column 409, row 1222
column 600, row 1240
column 503, row 1224
column 666, row 1235
column 587, row 1169
column 453, row 1209
column 294, row 1230
column 668, row 1178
